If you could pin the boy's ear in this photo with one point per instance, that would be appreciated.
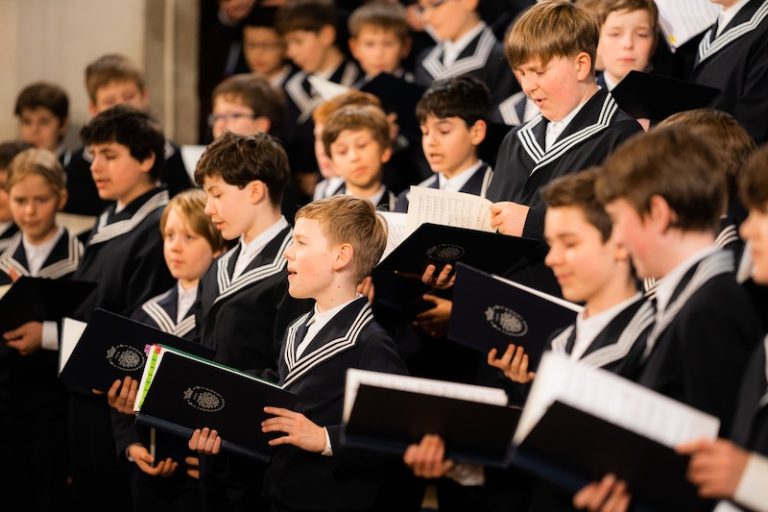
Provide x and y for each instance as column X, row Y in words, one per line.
column 343, row 257
column 63, row 196
column 660, row 213
column 327, row 35
column 353, row 46
column 92, row 109
column 146, row 165
column 263, row 124
column 477, row 132
column 257, row 191
column 583, row 64
column 386, row 155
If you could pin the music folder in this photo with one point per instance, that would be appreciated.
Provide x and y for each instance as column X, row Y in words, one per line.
column 39, row 299
column 387, row 413
column 581, row 423
column 656, row 97
column 492, row 312
column 180, row 392
column 113, row 347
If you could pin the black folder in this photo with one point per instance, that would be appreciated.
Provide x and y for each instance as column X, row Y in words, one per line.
column 491, row 313
column 113, row 347
column 655, row 97
column 39, row 299
column 390, row 420
column 572, row 448
column 187, row 393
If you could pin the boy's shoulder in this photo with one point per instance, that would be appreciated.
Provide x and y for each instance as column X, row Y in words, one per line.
column 137, row 221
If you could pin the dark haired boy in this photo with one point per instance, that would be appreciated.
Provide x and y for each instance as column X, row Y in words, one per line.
column 245, row 104
column 124, row 255
column 111, row 80
column 452, row 115
column 309, row 30
column 243, row 296
column 43, row 112
column 264, row 49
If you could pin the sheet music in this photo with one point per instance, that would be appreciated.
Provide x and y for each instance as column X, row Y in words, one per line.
column 481, row 394
column 190, row 154
column 456, row 209
column 77, row 224
column 71, row 331
column 680, row 20
column 396, row 231
column 615, row 399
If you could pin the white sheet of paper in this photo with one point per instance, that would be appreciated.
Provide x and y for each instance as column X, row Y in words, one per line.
column 396, row 231
column 456, row 209
column 71, row 331
column 481, row 394
column 551, row 298
column 616, row 400
column 4, row 289
column 76, row 224
column 190, row 154
column 680, row 20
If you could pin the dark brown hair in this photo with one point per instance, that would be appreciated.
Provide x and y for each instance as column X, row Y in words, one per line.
column 753, row 181
column 43, row 95
column 109, row 68
column 368, row 118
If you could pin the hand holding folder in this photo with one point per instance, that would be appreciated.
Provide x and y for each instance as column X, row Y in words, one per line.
column 180, row 393
column 580, row 424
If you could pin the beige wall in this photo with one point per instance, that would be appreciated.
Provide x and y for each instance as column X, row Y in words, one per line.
column 55, row 39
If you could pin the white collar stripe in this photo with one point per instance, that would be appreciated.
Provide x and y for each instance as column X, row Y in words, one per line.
column 289, row 356
column 604, row 356
column 228, row 287
column 464, row 65
column 316, row 357
column 561, row 340
column 116, row 229
column 708, row 48
column 486, row 181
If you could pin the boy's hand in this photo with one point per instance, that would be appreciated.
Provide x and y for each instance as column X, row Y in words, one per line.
column 26, row 339
column 441, row 281
column 509, row 218
column 122, row 395
column 193, row 467
column 435, row 321
column 366, row 288
column 608, row 495
column 205, row 441
column 301, row 432
column 716, row 466
column 427, row 459
column 144, row 460
column 514, row 364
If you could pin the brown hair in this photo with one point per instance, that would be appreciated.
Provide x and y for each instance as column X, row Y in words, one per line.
column 38, row 162
column 309, row 15
column 347, row 219
column 191, row 206
column 43, row 95
column 367, row 117
column 240, row 159
column 753, row 180
column 725, row 135
column 253, row 91
column 382, row 15
column 353, row 97
column 578, row 190
column 672, row 163
column 549, row 29
column 110, row 68
column 9, row 150
column 605, row 7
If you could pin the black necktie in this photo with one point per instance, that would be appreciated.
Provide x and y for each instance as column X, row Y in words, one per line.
column 301, row 333
column 571, row 342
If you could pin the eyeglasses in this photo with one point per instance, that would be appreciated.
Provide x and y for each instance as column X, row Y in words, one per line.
column 432, row 5
column 233, row 116
column 266, row 47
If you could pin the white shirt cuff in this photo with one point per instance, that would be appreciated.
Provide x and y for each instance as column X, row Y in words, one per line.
column 328, row 451
column 752, row 491
column 50, row 336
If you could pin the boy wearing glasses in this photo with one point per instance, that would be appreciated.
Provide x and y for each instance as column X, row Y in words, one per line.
column 467, row 47
column 244, row 104
column 263, row 47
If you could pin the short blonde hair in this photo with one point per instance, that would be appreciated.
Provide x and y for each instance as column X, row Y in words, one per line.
column 351, row 220
column 549, row 29
column 191, row 205
column 38, row 162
